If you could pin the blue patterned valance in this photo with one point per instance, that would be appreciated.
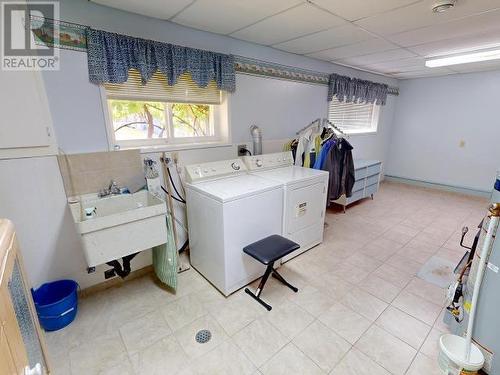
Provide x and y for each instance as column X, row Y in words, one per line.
column 111, row 56
column 356, row 90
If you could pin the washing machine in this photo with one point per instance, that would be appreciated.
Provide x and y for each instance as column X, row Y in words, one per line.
column 227, row 209
column 304, row 197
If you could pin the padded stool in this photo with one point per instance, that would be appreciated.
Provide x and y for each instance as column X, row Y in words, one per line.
column 267, row 251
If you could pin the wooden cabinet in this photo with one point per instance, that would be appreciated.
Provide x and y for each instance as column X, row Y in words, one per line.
column 25, row 121
column 22, row 347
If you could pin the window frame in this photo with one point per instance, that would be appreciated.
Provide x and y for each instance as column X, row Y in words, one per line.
column 219, row 117
column 374, row 120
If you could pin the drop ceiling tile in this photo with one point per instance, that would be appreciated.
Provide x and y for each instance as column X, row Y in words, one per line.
column 378, row 57
column 335, row 37
column 420, row 15
column 357, row 49
column 227, row 16
column 482, row 23
column 400, row 63
column 398, row 66
column 476, row 67
column 293, row 23
column 150, row 8
column 458, row 45
column 356, row 9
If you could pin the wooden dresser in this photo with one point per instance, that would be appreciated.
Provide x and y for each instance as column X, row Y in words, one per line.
column 22, row 347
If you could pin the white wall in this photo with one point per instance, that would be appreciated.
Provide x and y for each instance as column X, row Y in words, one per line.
column 433, row 116
column 48, row 239
column 280, row 107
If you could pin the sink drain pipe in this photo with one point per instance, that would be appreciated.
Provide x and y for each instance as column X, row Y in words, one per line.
column 117, row 267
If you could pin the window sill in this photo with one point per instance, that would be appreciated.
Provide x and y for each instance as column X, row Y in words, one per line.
column 177, row 147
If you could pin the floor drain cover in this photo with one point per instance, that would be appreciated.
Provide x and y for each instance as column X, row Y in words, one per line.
column 203, row 336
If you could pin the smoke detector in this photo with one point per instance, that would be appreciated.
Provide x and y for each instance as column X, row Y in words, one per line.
column 443, row 5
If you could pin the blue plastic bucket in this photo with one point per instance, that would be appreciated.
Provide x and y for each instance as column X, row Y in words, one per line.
column 56, row 303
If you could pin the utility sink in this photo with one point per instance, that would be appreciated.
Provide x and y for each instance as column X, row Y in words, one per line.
column 121, row 225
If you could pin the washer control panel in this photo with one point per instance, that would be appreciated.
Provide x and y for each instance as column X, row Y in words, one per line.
column 268, row 161
column 212, row 170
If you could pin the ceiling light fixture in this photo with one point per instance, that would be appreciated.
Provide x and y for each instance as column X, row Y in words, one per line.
column 464, row 58
column 443, row 5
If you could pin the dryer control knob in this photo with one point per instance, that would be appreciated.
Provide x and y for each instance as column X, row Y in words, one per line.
column 235, row 166
column 258, row 163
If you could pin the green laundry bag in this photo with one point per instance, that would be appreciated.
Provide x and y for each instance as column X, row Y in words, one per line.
column 165, row 258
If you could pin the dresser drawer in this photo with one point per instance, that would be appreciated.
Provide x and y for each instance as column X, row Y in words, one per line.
column 360, row 173
column 359, row 185
column 372, row 189
column 374, row 169
column 372, row 180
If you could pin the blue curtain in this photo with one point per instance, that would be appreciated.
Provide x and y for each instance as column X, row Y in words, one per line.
column 356, row 90
column 111, row 56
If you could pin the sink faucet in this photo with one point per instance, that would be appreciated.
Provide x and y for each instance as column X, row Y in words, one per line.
column 112, row 189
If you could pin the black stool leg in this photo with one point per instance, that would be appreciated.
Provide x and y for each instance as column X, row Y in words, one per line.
column 263, row 281
column 280, row 278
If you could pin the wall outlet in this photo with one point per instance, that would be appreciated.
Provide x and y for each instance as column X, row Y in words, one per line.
column 242, row 150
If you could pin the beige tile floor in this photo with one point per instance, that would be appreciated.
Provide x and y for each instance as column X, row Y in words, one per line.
column 360, row 309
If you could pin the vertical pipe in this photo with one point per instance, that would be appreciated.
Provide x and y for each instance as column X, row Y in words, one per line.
column 169, row 198
column 488, row 242
column 257, row 139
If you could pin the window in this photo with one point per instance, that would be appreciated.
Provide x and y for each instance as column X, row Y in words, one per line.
column 354, row 118
column 157, row 114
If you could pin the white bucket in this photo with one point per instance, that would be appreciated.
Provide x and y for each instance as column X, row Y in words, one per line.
column 452, row 355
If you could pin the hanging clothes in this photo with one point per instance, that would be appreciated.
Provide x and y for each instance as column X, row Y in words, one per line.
column 288, row 145
column 320, row 160
column 301, row 147
column 339, row 163
column 306, row 142
column 314, row 150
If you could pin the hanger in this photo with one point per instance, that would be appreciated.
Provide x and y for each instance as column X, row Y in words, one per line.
column 328, row 123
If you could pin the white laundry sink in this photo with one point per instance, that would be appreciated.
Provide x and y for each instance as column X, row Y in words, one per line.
column 122, row 225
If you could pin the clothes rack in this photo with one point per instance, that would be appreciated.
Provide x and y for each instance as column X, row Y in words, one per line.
column 350, row 180
column 313, row 123
column 323, row 145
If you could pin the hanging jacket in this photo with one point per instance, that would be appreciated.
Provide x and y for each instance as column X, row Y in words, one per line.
column 306, row 144
column 339, row 163
column 320, row 160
